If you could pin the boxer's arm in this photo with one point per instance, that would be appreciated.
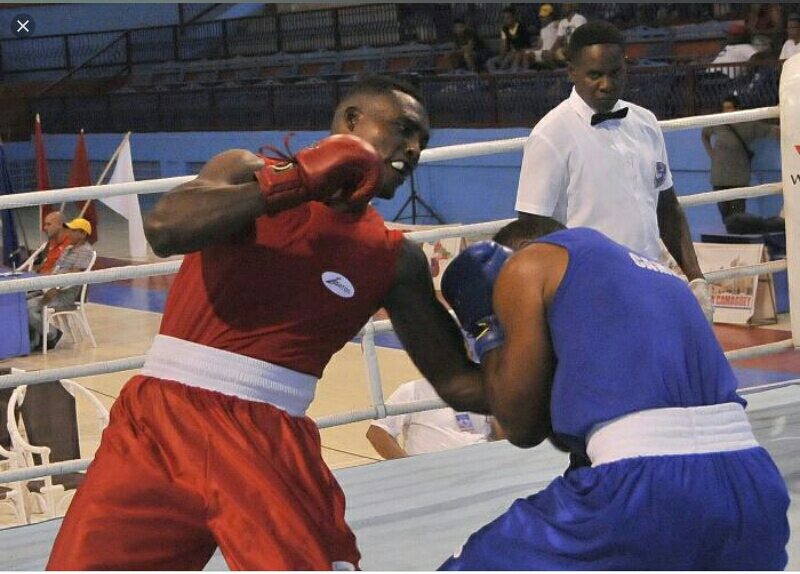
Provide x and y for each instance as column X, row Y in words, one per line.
column 430, row 335
column 518, row 374
column 222, row 199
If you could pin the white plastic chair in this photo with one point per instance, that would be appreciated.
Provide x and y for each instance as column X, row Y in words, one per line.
column 70, row 319
column 27, row 265
column 12, row 494
column 51, row 420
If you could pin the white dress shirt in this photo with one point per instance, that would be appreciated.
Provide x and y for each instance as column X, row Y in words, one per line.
column 607, row 177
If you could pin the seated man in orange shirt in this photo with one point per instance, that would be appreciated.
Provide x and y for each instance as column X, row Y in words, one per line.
column 57, row 240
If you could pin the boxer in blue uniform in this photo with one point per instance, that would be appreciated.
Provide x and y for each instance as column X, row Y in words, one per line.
column 608, row 354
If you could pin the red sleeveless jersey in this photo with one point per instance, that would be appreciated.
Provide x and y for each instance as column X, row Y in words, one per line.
column 290, row 289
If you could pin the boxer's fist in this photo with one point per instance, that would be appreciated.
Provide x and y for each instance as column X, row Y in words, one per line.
column 700, row 289
column 468, row 286
column 339, row 162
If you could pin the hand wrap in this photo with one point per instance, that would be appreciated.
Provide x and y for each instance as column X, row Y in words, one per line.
column 700, row 290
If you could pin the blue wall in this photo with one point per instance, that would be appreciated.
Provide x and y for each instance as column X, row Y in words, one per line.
column 462, row 191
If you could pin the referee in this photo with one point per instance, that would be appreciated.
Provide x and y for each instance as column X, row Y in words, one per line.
column 598, row 161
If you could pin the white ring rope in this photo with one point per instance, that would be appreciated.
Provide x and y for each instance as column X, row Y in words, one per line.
column 144, row 187
column 721, row 119
column 339, row 419
column 759, row 350
column 90, row 277
column 746, row 270
column 443, row 153
column 171, row 267
column 368, row 347
column 72, row 372
column 379, row 409
column 732, row 193
column 768, row 387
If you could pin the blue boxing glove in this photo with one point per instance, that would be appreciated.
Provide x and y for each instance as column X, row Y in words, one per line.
column 468, row 285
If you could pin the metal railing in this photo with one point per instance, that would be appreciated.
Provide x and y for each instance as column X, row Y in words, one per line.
column 506, row 100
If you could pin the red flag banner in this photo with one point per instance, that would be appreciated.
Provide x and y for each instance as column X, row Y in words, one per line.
column 81, row 176
column 42, row 173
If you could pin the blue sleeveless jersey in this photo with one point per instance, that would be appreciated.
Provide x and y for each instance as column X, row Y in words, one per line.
column 628, row 335
column 705, row 511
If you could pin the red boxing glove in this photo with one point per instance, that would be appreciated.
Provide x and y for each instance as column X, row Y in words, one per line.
column 340, row 162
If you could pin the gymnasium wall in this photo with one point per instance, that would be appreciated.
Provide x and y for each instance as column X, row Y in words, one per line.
column 467, row 190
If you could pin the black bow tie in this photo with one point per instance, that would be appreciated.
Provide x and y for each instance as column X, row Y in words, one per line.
column 603, row 116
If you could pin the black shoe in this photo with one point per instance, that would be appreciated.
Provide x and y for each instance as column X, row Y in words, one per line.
column 52, row 342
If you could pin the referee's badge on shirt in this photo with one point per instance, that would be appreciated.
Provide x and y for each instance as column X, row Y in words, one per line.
column 464, row 422
column 661, row 173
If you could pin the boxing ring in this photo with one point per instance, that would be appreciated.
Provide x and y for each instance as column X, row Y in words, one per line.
column 410, row 514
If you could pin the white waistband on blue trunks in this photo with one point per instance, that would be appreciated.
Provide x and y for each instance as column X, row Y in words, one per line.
column 228, row 373
column 671, row 431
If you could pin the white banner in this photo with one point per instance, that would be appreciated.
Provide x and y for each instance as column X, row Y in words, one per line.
column 440, row 252
column 128, row 205
column 739, row 300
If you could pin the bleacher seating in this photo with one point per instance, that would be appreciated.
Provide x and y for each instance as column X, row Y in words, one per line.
column 290, row 55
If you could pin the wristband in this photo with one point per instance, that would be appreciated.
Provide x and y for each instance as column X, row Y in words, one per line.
column 281, row 187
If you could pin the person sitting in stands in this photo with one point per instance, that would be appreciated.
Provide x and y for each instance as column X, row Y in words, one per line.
column 515, row 39
column 540, row 56
column 792, row 44
column 470, row 53
column 737, row 49
column 568, row 24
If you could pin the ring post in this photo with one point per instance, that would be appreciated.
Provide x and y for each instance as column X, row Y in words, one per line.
column 790, row 162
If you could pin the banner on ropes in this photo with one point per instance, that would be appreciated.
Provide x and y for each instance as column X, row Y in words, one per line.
column 738, row 300
column 440, row 252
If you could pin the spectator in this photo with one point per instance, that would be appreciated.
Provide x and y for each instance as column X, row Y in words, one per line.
column 601, row 162
column 75, row 257
column 764, row 51
column 728, row 147
column 540, row 56
column 470, row 53
column 515, row 39
column 57, row 239
column 767, row 20
column 427, row 431
column 792, row 44
column 568, row 24
column 737, row 50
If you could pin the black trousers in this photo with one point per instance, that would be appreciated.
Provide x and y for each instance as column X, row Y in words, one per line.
column 732, row 206
column 738, row 221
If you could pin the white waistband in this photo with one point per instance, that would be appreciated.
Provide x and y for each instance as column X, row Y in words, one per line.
column 671, row 431
column 230, row 374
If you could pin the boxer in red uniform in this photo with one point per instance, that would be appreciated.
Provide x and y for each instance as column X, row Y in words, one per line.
column 285, row 261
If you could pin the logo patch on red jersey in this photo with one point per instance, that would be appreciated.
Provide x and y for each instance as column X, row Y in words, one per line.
column 338, row 284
